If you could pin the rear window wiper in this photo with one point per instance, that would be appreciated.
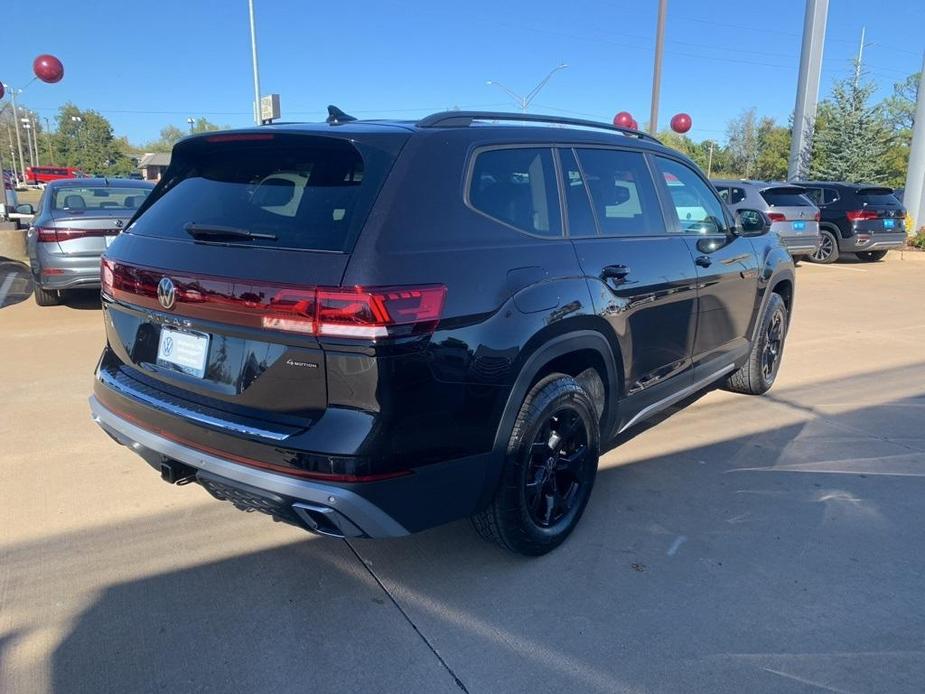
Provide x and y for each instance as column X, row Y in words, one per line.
column 215, row 230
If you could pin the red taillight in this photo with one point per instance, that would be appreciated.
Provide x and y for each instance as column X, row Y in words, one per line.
column 359, row 312
column 371, row 313
column 777, row 216
column 62, row 234
column 818, row 216
column 862, row 215
column 45, row 235
column 106, row 276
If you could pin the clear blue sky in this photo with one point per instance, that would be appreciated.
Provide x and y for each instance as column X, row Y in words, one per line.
column 147, row 64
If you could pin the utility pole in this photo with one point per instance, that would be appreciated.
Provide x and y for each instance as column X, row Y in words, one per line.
column 35, row 139
column 257, row 119
column 860, row 58
column 804, row 114
column 657, row 69
column 710, row 160
column 914, row 194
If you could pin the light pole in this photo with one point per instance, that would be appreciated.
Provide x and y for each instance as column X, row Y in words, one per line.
column 49, row 141
column 657, row 69
column 804, row 113
column 250, row 6
column 28, row 128
column 78, row 120
column 523, row 102
column 190, row 122
column 13, row 92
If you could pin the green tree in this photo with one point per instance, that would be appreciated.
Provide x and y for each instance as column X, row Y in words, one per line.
column 899, row 111
column 852, row 136
column 742, row 143
column 171, row 134
column 773, row 151
column 85, row 139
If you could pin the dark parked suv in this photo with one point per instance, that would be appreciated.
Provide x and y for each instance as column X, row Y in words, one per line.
column 371, row 328
column 856, row 218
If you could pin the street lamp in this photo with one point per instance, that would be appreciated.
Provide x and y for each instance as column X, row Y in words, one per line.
column 523, row 102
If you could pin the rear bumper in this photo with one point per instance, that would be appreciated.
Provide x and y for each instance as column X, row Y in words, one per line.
column 430, row 496
column 874, row 242
column 804, row 244
column 54, row 271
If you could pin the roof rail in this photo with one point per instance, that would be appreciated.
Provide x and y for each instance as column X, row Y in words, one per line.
column 462, row 119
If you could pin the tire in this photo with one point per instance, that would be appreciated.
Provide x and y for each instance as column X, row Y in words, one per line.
column 548, row 472
column 760, row 371
column 828, row 248
column 871, row 256
column 46, row 297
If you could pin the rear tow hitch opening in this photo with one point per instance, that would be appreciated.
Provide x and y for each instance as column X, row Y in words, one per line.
column 175, row 472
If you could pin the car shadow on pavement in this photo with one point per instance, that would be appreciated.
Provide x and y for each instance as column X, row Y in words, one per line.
column 15, row 282
column 784, row 558
column 82, row 299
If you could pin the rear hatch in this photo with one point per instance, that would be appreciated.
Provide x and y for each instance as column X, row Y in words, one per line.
column 792, row 214
column 213, row 292
column 879, row 212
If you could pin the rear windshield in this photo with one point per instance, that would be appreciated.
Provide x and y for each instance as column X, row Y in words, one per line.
column 786, row 197
column 75, row 199
column 878, row 196
column 307, row 193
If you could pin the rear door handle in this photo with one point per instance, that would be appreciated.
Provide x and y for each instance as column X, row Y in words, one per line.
column 703, row 260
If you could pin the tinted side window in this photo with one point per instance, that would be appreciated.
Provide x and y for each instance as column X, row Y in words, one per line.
column 580, row 217
column 622, row 192
column 815, row 195
column 738, row 195
column 517, row 186
column 698, row 210
column 830, row 195
column 723, row 193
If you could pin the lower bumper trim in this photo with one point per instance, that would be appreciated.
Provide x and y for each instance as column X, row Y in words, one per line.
column 343, row 509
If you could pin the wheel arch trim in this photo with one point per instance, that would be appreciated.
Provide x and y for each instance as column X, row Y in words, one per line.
column 548, row 351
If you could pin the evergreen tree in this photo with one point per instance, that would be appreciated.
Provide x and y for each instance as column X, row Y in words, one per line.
column 852, row 136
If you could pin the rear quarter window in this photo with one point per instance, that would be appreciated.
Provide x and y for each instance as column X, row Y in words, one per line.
column 517, row 186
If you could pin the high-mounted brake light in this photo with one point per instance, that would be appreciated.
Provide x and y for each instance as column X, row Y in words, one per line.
column 862, row 215
column 239, row 137
column 351, row 312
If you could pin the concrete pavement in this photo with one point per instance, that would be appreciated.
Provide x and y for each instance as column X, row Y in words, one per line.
column 741, row 544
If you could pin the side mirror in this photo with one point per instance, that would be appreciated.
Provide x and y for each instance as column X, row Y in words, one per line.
column 25, row 209
column 752, row 222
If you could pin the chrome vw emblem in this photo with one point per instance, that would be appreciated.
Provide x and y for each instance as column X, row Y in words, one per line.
column 166, row 293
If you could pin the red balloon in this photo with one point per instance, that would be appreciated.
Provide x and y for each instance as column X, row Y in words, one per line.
column 634, row 125
column 681, row 122
column 622, row 119
column 48, row 68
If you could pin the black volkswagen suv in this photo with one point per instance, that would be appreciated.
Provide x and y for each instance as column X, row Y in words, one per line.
column 371, row 328
column 856, row 218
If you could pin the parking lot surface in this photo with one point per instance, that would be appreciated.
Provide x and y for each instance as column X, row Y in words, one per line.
column 741, row 544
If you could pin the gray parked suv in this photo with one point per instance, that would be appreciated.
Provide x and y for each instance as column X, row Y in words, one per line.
column 793, row 216
column 75, row 222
